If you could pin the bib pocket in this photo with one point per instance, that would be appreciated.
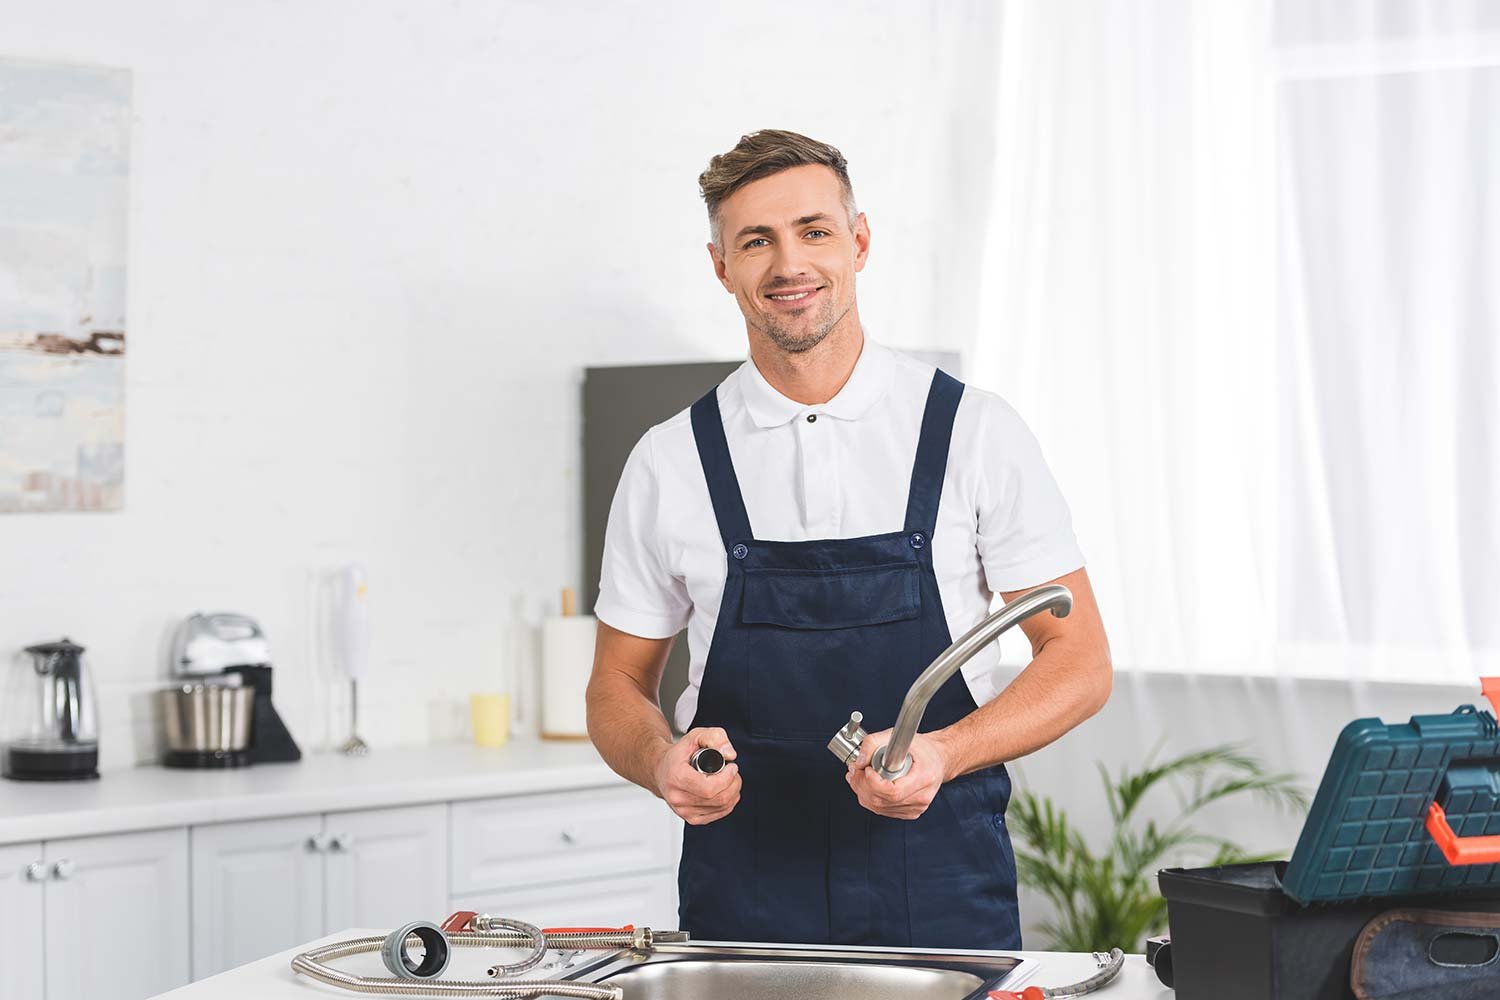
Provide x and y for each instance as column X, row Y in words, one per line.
column 817, row 644
column 829, row 599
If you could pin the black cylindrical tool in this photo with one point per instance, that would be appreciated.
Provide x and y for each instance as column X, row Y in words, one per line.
column 707, row 760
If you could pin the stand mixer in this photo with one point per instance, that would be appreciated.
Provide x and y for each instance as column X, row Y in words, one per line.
column 214, row 658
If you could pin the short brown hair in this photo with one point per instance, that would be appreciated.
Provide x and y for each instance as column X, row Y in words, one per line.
column 761, row 154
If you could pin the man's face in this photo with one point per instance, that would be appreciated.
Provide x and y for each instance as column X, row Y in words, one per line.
column 790, row 255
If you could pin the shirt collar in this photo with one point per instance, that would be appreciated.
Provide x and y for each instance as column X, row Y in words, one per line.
column 866, row 385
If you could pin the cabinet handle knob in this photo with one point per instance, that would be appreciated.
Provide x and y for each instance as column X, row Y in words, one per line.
column 318, row 842
column 341, row 842
column 36, row 871
column 63, row 869
column 569, row 837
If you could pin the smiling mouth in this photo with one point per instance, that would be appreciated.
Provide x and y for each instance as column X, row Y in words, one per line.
column 794, row 296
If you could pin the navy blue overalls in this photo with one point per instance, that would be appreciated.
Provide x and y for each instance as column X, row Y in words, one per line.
column 808, row 632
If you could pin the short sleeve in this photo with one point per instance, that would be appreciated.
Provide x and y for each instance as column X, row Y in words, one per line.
column 1025, row 529
column 637, row 594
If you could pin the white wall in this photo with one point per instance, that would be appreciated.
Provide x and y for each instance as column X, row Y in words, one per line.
column 372, row 246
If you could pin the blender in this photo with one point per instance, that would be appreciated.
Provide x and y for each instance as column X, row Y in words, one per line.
column 51, row 732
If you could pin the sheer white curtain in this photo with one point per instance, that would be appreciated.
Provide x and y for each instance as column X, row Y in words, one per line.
column 1240, row 278
column 1389, row 443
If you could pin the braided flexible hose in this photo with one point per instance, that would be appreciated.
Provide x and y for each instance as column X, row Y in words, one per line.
column 312, row 963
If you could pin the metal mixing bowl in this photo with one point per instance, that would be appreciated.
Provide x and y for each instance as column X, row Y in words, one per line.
column 204, row 718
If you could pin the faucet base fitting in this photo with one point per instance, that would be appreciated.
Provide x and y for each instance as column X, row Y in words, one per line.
column 888, row 773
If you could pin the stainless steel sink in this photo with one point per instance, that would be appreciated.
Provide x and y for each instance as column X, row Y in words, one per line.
column 807, row 972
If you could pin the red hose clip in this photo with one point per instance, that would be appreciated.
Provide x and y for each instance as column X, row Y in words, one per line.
column 458, row 921
column 1029, row 993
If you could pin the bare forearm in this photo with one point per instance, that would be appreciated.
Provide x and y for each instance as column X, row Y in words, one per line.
column 1062, row 686
column 627, row 728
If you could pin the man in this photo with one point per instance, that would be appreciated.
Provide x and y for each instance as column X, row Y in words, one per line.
column 824, row 523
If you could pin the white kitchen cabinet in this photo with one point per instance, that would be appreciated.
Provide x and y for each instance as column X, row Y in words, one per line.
column 116, row 916
column 263, row 886
column 593, row 857
column 385, row 867
column 196, row 877
column 22, row 883
column 257, row 889
column 530, row 839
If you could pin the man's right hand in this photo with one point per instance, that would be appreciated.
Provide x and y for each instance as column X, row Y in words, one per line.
column 699, row 798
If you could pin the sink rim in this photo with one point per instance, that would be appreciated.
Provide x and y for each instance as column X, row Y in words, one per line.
column 994, row 970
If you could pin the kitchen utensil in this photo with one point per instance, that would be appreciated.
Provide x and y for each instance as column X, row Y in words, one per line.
column 211, row 719
column 351, row 632
column 227, row 650
column 51, row 732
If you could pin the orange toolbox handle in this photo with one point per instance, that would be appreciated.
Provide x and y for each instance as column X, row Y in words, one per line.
column 1460, row 850
column 1491, row 688
column 1466, row 850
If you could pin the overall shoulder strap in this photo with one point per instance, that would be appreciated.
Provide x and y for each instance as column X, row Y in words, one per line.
column 718, row 469
column 932, row 452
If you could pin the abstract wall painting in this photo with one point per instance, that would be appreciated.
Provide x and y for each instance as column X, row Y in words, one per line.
column 64, row 202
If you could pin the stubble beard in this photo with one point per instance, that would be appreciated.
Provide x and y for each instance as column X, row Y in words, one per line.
column 794, row 341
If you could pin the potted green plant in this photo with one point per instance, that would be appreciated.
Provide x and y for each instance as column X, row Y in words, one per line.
column 1108, row 897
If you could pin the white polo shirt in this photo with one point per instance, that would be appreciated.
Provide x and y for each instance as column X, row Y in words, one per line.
column 1002, row 522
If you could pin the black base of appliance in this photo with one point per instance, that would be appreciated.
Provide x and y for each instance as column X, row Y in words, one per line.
column 206, row 758
column 20, row 764
column 270, row 741
column 1237, row 936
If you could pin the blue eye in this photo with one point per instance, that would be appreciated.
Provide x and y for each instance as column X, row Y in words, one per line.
column 818, row 232
column 752, row 243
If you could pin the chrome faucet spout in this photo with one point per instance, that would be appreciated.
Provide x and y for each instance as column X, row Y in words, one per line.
column 845, row 745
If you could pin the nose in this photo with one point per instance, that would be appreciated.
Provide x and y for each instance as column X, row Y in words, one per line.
column 790, row 261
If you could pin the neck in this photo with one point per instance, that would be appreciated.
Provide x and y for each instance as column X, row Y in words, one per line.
column 816, row 375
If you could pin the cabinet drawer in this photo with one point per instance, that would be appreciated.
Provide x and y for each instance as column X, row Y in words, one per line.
column 533, row 839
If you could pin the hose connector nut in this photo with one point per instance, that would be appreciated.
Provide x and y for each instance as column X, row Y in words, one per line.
column 846, row 742
column 435, row 951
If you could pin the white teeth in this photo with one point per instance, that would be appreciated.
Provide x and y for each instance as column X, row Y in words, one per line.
column 791, row 298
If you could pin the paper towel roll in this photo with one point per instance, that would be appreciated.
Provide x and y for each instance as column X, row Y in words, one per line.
column 567, row 660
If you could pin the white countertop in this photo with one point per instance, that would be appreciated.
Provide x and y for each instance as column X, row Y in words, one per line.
column 272, row 978
column 144, row 798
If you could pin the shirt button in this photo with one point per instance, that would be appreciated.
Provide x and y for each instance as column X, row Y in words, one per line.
column 812, row 418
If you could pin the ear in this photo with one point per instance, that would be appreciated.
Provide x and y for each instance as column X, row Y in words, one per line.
column 719, row 272
column 861, row 241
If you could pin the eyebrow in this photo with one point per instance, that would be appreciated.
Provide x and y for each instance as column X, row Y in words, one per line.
column 768, row 230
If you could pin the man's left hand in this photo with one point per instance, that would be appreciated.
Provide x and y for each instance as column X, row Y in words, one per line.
column 909, row 795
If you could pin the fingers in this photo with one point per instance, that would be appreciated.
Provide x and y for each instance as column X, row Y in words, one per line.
column 867, row 748
column 714, row 807
column 710, row 736
column 900, row 799
column 905, row 798
column 696, row 797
